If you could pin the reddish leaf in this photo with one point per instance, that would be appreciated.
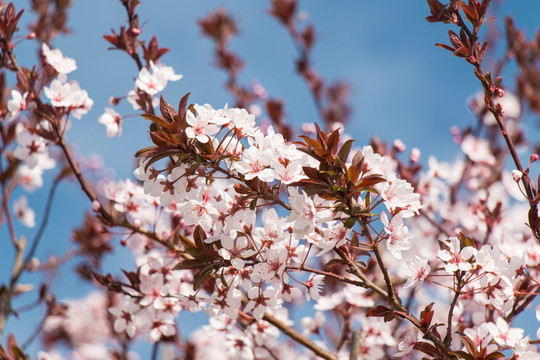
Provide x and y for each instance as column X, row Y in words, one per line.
column 199, row 236
column 333, row 141
column 369, row 181
column 444, row 46
column 427, row 348
column 379, row 311
column 471, row 13
column 182, row 105
column 427, row 315
column 156, row 120
column 460, row 354
column 343, row 153
column 167, row 111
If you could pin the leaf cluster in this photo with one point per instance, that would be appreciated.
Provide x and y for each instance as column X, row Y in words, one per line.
column 334, row 179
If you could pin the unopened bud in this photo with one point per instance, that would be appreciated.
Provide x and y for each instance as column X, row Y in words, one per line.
column 533, row 158
column 113, row 101
column 308, row 128
column 32, row 264
column 96, row 205
column 456, row 134
column 415, row 155
column 135, row 31
column 399, row 145
column 500, row 92
column 517, row 175
column 32, row 35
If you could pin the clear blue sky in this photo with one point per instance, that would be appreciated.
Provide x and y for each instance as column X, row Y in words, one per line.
column 402, row 85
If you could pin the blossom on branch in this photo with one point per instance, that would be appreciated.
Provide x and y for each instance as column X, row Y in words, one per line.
column 62, row 64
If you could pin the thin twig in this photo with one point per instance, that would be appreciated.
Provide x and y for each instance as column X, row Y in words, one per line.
column 299, row 338
column 44, row 221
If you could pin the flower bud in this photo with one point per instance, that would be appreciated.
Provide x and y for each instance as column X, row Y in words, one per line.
column 399, row 145
column 415, row 155
column 96, row 205
column 517, row 175
column 533, row 158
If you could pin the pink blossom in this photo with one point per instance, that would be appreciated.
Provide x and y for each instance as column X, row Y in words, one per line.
column 113, row 121
column 17, row 103
column 255, row 163
column 152, row 83
column 417, row 270
column 477, row 150
column 503, row 334
column 399, row 237
column 24, row 213
column 406, row 345
column 457, row 258
column 204, row 124
column 313, row 287
column 55, row 58
column 314, row 324
column 125, row 316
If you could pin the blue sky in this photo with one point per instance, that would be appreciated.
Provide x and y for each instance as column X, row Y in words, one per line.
column 402, row 85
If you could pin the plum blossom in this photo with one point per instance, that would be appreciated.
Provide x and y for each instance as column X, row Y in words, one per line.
column 261, row 301
column 16, row 104
column 199, row 213
column 225, row 301
column 314, row 324
column 273, row 231
column 503, row 334
column 477, row 150
column 154, row 290
column 236, row 250
column 406, row 345
column 417, row 270
column 59, row 93
column 157, row 324
column 399, row 236
column 74, row 322
column 255, row 163
column 31, row 178
column 239, row 346
column 24, row 213
column 242, row 122
column 152, row 83
column 334, row 236
column 398, row 194
column 69, row 95
column 124, row 313
column 113, row 121
column 306, row 213
column 273, row 266
column 32, row 149
column 204, row 124
column 62, row 64
column 313, row 287
column 456, row 258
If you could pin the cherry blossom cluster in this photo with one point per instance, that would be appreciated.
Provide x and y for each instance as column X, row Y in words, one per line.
column 252, row 251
